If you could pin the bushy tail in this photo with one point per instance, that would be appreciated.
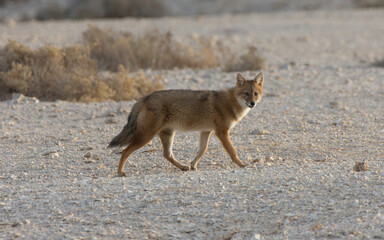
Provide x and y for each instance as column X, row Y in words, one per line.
column 125, row 136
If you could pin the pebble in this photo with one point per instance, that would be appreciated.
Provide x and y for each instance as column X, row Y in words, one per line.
column 49, row 152
column 258, row 160
column 255, row 236
column 361, row 166
column 260, row 132
column 111, row 121
column 340, row 123
column 88, row 155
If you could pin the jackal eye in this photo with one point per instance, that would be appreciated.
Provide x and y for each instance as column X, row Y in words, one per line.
column 256, row 93
column 246, row 93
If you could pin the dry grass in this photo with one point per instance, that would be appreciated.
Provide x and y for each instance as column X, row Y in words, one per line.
column 157, row 50
column 51, row 73
column 153, row 50
column 250, row 61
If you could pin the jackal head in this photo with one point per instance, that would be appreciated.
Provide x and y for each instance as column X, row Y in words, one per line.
column 249, row 92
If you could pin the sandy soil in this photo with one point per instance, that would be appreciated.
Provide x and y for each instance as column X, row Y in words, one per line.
column 321, row 113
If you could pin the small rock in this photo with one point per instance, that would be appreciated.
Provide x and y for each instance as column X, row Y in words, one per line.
column 95, row 157
column 335, row 104
column 311, row 121
column 286, row 66
column 361, row 166
column 26, row 221
column 317, row 227
column 340, row 123
column 49, row 152
column 255, row 236
column 15, row 224
column 257, row 160
column 55, row 155
column 111, row 121
column 109, row 221
column 112, row 114
column 88, row 155
column 280, row 159
column 13, row 177
column 260, row 132
column 86, row 148
column 269, row 158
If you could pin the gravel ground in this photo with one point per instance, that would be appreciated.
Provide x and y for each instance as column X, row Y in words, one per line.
column 322, row 112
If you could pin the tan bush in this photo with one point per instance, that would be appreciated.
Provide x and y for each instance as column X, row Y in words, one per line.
column 154, row 50
column 51, row 73
column 250, row 61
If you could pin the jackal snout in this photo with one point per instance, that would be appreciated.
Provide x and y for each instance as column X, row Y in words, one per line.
column 251, row 104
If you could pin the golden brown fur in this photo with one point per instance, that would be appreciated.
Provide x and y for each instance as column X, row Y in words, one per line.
column 165, row 112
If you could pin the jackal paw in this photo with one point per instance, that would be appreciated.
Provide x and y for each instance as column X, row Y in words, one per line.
column 122, row 174
column 185, row 168
column 243, row 165
column 193, row 167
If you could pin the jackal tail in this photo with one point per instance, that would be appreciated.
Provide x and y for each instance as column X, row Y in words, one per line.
column 125, row 136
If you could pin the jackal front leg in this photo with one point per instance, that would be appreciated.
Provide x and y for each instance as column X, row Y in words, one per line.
column 228, row 146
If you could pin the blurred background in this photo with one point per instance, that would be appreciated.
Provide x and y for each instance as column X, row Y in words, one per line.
column 24, row 10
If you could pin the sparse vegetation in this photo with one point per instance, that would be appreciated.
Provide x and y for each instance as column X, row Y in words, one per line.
column 73, row 73
column 158, row 50
column 153, row 49
column 51, row 73
column 249, row 61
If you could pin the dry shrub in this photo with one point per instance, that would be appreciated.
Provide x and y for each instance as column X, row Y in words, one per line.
column 133, row 86
column 249, row 61
column 154, row 50
column 51, row 73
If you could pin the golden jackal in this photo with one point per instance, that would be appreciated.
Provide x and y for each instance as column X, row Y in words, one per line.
column 165, row 112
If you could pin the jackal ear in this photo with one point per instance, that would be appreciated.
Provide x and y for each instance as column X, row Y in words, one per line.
column 259, row 79
column 240, row 80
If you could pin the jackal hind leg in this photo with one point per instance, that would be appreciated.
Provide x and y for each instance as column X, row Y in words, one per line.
column 166, row 137
column 138, row 141
column 204, row 140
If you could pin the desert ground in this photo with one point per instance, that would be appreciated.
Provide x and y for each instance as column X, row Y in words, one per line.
column 321, row 113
